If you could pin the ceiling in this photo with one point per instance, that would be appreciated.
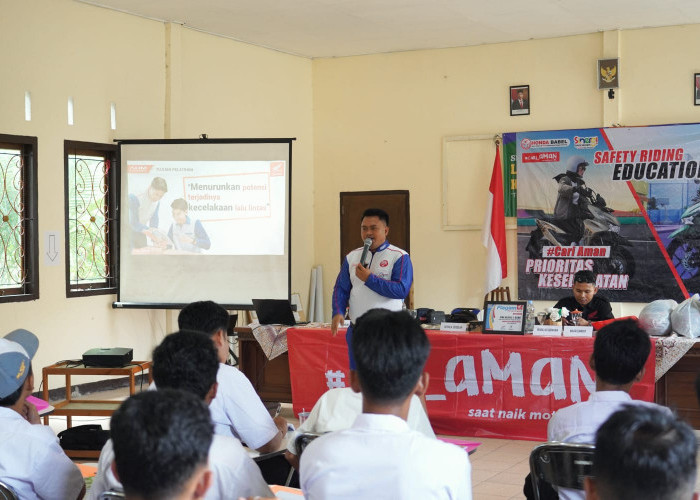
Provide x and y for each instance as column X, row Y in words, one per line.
column 336, row 28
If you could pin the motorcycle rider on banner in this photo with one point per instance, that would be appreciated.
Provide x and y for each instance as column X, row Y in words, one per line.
column 572, row 198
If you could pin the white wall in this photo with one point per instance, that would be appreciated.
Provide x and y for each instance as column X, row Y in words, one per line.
column 61, row 48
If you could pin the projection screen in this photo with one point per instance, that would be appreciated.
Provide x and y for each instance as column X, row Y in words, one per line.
column 204, row 220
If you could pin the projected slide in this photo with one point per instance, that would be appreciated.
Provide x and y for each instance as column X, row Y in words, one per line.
column 207, row 207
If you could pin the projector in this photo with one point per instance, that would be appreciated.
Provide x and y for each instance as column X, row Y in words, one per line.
column 108, row 357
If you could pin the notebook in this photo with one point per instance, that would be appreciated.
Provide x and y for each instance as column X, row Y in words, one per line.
column 274, row 312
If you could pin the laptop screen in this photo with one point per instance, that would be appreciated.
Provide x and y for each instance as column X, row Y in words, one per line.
column 274, row 312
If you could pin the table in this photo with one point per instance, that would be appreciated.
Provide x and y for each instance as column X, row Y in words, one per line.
column 676, row 388
column 270, row 378
column 88, row 407
column 505, row 386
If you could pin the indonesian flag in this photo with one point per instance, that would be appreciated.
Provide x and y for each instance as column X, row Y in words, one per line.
column 493, row 234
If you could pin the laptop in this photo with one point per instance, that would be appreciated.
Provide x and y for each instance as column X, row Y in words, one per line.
column 274, row 312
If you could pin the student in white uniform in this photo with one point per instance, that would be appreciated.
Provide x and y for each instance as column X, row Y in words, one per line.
column 161, row 443
column 620, row 351
column 379, row 457
column 236, row 410
column 337, row 409
column 188, row 361
column 32, row 462
column 643, row 453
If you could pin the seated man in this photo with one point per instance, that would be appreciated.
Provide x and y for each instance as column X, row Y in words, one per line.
column 380, row 457
column 337, row 409
column 593, row 308
column 236, row 410
column 188, row 361
column 32, row 462
column 620, row 351
column 642, row 453
column 161, row 443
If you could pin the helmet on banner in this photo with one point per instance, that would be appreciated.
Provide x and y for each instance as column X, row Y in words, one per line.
column 576, row 161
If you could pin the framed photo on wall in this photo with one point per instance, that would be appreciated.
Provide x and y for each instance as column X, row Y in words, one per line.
column 608, row 73
column 505, row 317
column 519, row 98
column 696, row 89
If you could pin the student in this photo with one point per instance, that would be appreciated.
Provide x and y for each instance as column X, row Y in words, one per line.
column 161, row 444
column 643, row 453
column 593, row 308
column 186, row 234
column 337, row 409
column 188, row 361
column 32, row 462
column 620, row 351
column 236, row 410
column 379, row 456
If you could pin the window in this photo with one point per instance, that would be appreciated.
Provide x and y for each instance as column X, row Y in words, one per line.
column 19, row 269
column 91, row 227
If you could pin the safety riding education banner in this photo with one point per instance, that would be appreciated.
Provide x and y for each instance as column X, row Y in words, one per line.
column 622, row 202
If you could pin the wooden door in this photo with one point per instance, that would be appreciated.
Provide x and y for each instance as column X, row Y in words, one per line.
column 395, row 203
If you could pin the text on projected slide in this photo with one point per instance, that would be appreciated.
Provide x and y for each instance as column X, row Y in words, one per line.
column 207, row 207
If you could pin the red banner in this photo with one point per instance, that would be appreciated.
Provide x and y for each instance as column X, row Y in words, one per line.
column 505, row 386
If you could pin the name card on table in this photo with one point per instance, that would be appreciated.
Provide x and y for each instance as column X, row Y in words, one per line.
column 547, row 330
column 578, row 331
column 453, row 327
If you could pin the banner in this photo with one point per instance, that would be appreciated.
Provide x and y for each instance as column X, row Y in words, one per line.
column 505, row 386
column 622, row 202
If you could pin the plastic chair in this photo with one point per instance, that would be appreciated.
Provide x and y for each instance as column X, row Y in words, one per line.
column 563, row 465
column 7, row 493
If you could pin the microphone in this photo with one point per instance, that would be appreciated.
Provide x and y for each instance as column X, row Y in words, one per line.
column 365, row 251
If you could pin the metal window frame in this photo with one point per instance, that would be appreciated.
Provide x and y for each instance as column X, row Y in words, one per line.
column 110, row 152
column 28, row 146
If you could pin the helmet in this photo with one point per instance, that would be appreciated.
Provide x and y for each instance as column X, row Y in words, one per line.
column 574, row 162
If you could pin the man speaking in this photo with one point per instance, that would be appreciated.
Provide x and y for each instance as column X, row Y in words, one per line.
column 382, row 280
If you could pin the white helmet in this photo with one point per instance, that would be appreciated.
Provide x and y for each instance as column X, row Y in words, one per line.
column 574, row 162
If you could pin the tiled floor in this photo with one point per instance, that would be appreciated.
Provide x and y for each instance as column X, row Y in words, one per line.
column 499, row 466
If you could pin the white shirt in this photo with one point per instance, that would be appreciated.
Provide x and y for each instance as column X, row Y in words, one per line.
column 337, row 409
column 235, row 473
column 381, row 458
column 237, row 410
column 579, row 422
column 33, row 463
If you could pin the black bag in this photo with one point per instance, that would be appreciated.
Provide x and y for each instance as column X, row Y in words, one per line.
column 461, row 315
column 83, row 437
column 423, row 315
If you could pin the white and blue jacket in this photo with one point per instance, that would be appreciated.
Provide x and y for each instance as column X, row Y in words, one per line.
column 386, row 287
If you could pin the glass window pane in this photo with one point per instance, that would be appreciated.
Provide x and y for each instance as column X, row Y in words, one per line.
column 12, row 272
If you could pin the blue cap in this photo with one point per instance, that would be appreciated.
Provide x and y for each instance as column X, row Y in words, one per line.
column 17, row 349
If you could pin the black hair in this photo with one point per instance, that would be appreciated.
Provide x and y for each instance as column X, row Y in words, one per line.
column 186, row 360
column 390, row 351
column 644, row 453
column 160, row 438
column 159, row 184
column 376, row 212
column 620, row 351
column 11, row 399
column 179, row 204
column 204, row 316
column 585, row 276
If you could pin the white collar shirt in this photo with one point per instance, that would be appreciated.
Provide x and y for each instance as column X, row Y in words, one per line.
column 237, row 410
column 234, row 472
column 579, row 423
column 337, row 410
column 379, row 457
column 33, row 463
